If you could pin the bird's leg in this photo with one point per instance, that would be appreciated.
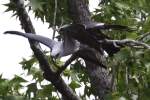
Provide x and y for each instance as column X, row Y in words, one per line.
column 73, row 57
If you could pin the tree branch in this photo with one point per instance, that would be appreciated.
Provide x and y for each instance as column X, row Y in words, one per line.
column 49, row 74
column 127, row 42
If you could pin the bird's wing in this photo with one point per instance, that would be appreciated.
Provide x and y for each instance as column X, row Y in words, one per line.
column 44, row 40
column 95, row 25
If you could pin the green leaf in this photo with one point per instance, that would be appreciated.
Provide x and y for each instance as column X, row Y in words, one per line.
column 5, row 87
column 74, row 85
column 123, row 55
column 122, row 6
column 74, row 76
column 46, row 91
column 14, row 98
column 11, row 7
column 18, row 79
column 32, row 88
column 36, row 73
column 27, row 64
column 36, row 4
column 132, row 35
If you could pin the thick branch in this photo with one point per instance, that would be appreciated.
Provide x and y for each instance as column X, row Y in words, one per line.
column 49, row 74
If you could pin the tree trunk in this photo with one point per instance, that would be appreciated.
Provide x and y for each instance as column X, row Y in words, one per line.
column 99, row 77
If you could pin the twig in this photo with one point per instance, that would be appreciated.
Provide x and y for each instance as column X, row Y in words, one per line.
column 54, row 20
column 127, row 78
column 143, row 36
column 58, row 95
column 73, row 57
column 62, row 21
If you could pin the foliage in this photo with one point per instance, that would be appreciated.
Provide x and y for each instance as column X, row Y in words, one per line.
column 130, row 66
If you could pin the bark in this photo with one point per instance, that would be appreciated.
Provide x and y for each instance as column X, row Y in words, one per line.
column 99, row 77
